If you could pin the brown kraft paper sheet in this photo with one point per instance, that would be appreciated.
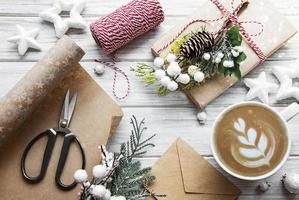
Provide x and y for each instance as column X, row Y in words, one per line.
column 34, row 104
column 276, row 31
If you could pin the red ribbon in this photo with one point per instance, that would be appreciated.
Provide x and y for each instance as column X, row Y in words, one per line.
column 233, row 18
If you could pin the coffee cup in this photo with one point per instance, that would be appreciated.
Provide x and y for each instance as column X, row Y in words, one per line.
column 251, row 140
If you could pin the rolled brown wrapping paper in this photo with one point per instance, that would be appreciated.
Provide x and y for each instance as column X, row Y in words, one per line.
column 27, row 94
column 35, row 104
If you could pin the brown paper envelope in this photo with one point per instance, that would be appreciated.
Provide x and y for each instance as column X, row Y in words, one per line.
column 277, row 31
column 181, row 173
column 95, row 117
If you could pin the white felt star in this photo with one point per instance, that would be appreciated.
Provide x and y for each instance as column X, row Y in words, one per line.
column 25, row 39
column 260, row 88
column 285, row 76
column 62, row 25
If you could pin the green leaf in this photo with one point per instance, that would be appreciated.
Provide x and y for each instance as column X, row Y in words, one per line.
column 162, row 91
column 237, row 72
column 234, row 36
column 241, row 58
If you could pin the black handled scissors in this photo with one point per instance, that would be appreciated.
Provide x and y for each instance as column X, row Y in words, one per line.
column 51, row 134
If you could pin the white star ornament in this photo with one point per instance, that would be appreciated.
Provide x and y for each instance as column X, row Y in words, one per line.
column 260, row 88
column 285, row 76
column 75, row 20
column 25, row 40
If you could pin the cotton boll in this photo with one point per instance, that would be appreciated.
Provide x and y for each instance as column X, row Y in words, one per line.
column 159, row 74
column 235, row 53
column 80, row 176
column 99, row 69
column 98, row 191
column 217, row 60
column 158, row 62
column 192, row 70
column 220, row 55
column 199, row 76
column 206, row 56
column 171, row 58
column 291, row 182
column 184, row 78
column 202, row 116
column 228, row 64
column 172, row 86
column 238, row 49
column 264, row 187
column 118, row 198
column 165, row 80
column 99, row 171
column 173, row 69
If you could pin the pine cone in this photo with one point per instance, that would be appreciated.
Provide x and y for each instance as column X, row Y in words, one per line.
column 196, row 45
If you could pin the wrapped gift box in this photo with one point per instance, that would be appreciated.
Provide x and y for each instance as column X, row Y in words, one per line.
column 270, row 30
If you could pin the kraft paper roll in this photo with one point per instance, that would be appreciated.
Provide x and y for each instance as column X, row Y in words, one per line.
column 28, row 93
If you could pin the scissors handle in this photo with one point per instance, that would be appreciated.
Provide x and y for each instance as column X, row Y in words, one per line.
column 68, row 139
column 51, row 134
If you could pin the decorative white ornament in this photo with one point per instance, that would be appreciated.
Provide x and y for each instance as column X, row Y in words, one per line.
column 107, row 195
column 172, row 86
column 220, row 55
column 264, row 187
column 291, row 182
column 99, row 171
column 285, row 76
column 118, row 198
column 99, row 69
column 158, row 62
column 228, row 63
column 202, row 117
column 206, row 56
column 184, row 78
column 98, row 191
column 260, row 88
column 62, row 25
column 25, row 39
column 199, row 76
column 171, row 58
column 80, row 176
column 165, row 80
column 192, row 70
column 173, row 69
column 235, row 53
column 217, row 60
column 159, row 74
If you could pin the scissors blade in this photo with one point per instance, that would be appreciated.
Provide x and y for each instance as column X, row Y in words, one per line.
column 71, row 107
column 65, row 108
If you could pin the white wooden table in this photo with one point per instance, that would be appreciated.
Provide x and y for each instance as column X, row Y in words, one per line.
column 171, row 116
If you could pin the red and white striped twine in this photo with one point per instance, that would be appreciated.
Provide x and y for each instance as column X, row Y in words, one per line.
column 232, row 16
column 122, row 26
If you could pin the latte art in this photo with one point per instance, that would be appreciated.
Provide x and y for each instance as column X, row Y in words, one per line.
column 250, row 140
column 256, row 148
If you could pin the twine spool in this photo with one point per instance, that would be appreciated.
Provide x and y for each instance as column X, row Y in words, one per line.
column 126, row 23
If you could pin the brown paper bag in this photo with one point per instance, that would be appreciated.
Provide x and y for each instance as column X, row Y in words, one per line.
column 276, row 31
column 95, row 117
column 181, row 173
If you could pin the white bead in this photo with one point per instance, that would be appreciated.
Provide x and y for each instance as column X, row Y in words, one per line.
column 217, row 60
column 99, row 171
column 184, row 78
column 80, row 176
column 171, row 58
column 202, row 116
column 98, row 191
column 107, row 195
column 220, row 55
column 235, row 53
column 99, row 69
column 159, row 74
column 172, row 86
column 158, row 62
column 291, row 182
column 206, row 56
column 173, row 69
column 192, row 70
column 165, row 80
column 199, row 76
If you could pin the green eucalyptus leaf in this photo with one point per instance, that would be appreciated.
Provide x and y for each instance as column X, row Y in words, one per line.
column 237, row 72
column 234, row 36
column 241, row 58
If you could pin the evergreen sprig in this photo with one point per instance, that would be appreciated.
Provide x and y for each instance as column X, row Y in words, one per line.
column 130, row 179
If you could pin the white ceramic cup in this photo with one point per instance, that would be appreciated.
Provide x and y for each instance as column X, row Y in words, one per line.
column 283, row 116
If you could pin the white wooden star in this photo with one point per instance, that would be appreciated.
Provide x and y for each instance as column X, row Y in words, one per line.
column 62, row 25
column 285, row 76
column 25, row 39
column 260, row 88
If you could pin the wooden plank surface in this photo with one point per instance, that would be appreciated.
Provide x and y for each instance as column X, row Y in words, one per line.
column 171, row 116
